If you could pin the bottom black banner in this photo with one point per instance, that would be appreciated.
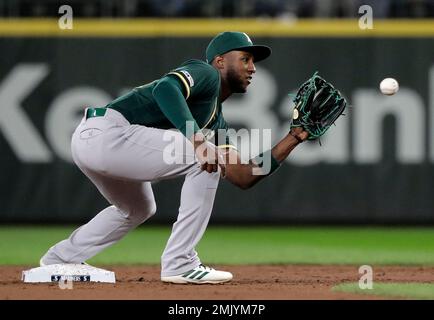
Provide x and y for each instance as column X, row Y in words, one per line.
column 226, row 309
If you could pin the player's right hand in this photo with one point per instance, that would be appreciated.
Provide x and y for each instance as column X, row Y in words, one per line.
column 208, row 155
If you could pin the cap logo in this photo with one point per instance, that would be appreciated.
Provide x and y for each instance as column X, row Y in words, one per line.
column 248, row 39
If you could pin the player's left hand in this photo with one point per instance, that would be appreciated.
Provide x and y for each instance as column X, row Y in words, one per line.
column 317, row 106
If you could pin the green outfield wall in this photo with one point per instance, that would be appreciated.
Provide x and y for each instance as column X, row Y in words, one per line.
column 375, row 166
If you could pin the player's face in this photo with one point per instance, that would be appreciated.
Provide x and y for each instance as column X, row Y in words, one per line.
column 240, row 69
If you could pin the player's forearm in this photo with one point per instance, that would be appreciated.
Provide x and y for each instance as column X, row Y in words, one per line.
column 241, row 175
column 247, row 175
column 284, row 147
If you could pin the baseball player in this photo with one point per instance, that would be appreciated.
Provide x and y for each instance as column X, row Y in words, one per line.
column 162, row 130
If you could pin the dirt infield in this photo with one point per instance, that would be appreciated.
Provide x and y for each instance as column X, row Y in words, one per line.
column 292, row 282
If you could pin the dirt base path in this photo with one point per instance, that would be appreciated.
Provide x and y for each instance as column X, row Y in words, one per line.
column 292, row 282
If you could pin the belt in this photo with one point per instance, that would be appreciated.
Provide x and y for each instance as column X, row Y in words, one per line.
column 95, row 112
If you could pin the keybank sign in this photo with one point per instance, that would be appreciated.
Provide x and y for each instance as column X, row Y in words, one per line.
column 356, row 138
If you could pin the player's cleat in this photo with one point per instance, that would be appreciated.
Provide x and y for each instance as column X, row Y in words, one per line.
column 42, row 263
column 200, row 275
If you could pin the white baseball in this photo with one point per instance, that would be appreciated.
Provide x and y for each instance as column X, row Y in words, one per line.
column 389, row 86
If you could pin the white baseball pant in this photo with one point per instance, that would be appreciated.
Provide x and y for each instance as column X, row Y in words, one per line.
column 121, row 160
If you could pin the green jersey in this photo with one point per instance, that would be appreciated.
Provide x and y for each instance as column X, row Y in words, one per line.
column 201, row 88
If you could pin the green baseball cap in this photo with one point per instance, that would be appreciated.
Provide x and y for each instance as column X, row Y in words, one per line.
column 232, row 40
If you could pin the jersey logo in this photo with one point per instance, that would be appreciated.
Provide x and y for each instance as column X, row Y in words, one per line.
column 189, row 77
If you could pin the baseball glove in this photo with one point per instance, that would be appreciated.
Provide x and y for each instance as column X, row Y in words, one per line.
column 317, row 106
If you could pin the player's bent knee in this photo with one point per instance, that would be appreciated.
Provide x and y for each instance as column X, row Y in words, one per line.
column 151, row 209
column 142, row 214
column 139, row 213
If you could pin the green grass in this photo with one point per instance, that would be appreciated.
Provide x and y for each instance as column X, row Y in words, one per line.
column 242, row 245
column 397, row 290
